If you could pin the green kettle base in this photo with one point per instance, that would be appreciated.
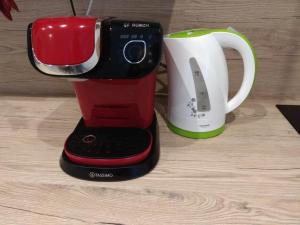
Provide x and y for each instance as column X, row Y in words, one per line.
column 196, row 135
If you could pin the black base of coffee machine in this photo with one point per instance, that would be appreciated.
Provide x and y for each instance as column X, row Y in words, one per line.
column 110, row 173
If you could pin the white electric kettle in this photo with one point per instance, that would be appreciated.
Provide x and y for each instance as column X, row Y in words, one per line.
column 198, row 79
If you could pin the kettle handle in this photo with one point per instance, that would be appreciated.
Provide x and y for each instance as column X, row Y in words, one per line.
column 233, row 39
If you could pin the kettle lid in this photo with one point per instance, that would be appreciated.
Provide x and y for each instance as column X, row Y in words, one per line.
column 194, row 33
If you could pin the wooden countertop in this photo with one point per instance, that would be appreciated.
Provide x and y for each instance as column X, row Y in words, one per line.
column 248, row 175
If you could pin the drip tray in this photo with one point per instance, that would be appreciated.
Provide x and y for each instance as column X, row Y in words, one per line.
column 110, row 154
column 108, row 143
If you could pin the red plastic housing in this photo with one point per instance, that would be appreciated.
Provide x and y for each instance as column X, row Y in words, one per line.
column 63, row 41
column 117, row 102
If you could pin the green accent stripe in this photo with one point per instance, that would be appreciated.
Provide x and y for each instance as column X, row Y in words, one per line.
column 204, row 31
column 196, row 135
column 194, row 33
column 200, row 32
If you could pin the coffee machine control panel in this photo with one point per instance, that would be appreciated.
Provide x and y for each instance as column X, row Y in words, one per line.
column 130, row 49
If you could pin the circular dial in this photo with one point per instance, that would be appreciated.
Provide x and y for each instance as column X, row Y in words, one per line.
column 135, row 51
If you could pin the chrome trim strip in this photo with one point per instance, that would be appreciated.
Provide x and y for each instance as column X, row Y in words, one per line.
column 71, row 70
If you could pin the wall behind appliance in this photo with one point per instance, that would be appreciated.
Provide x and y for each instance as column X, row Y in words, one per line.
column 272, row 26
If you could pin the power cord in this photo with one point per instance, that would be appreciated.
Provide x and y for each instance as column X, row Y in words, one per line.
column 89, row 7
column 73, row 8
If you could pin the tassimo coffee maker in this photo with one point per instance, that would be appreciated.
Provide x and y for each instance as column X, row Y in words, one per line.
column 112, row 65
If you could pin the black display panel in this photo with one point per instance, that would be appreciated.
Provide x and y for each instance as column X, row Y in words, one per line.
column 129, row 49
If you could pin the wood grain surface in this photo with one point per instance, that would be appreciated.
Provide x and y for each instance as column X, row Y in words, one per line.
column 272, row 26
column 249, row 175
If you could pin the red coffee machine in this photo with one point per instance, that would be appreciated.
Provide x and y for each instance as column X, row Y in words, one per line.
column 112, row 65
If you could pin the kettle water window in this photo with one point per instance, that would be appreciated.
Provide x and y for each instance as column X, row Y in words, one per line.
column 203, row 103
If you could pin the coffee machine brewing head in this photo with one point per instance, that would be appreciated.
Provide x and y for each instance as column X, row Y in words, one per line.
column 91, row 48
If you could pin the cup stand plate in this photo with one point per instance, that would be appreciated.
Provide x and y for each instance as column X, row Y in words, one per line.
column 97, row 173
